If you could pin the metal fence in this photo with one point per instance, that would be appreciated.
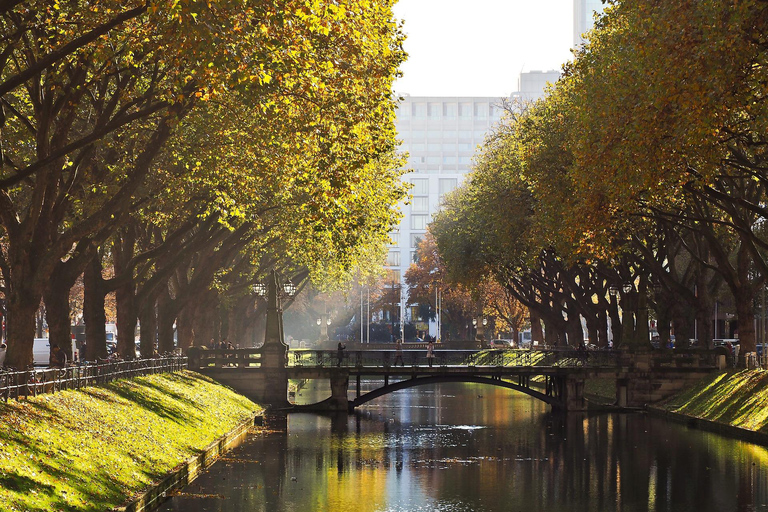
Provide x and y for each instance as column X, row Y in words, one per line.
column 32, row 382
column 469, row 358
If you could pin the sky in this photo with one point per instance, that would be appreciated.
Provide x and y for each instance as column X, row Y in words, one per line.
column 479, row 47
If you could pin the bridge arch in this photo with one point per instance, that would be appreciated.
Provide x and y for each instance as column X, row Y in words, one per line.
column 439, row 379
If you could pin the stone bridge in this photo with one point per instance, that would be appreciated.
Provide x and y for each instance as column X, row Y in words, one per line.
column 556, row 377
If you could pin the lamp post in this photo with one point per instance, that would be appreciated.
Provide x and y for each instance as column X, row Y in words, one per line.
column 324, row 323
column 274, row 353
column 474, row 327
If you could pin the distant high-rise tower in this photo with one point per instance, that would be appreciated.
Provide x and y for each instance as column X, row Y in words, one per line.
column 584, row 18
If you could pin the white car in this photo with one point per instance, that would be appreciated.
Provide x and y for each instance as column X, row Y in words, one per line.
column 41, row 352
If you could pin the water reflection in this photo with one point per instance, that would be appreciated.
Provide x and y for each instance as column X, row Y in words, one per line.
column 466, row 447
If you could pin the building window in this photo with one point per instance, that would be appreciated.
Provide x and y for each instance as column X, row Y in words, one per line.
column 420, row 204
column 481, row 111
column 480, row 134
column 419, row 221
column 434, row 147
column 417, row 134
column 416, row 239
column 465, row 110
column 447, row 185
column 393, row 276
column 434, row 160
column 449, row 147
column 404, row 112
column 419, row 110
column 449, row 110
column 449, row 134
column 449, row 160
column 465, row 160
column 434, row 134
column 420, row 186
column 434, row 110
column 465, row 147
column 394, row 238
column 393, row 258
column 414, row 256
column 418, row 147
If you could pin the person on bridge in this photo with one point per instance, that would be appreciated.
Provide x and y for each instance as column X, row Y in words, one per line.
column 340, row 353
column 399, row 352
column 430, row 352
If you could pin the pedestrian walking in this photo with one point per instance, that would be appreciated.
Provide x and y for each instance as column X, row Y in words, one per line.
column 430, row 352
column 3, row 350
column 399, row 352
column 340, row 353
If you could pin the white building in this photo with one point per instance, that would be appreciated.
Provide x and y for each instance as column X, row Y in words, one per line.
column 584, row 18
column 532, row 85
column 440, row 135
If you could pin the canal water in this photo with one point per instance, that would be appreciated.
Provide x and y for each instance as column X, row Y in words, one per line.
column 469, row 447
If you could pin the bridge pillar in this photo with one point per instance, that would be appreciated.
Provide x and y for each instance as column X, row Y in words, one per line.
column 339, row 385
column 568, row 390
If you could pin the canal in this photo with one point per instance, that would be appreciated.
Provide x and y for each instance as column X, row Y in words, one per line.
column 469, row 447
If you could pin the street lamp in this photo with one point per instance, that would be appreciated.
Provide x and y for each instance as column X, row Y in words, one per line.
column 613, row 290
column 627, row 287
column 289, row 288
column 259, row 289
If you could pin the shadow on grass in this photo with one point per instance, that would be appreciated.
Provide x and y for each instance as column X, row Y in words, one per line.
column 157, row 406
column 727, row 398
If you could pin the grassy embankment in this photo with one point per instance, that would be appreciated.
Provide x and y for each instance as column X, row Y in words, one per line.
column 736, row 398
column 89, row 449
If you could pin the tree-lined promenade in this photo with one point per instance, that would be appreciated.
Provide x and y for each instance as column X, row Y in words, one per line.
column 187, row 148
column 637, row 189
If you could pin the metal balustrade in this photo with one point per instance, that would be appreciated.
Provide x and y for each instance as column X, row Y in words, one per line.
column 226, row 358
column 35, row 381
column 452, row 358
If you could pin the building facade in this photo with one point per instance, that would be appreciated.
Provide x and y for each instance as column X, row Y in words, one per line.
column 440, row 135
column 532, row 85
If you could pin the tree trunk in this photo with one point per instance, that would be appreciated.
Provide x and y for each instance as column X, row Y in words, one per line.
column 20, row 330
column 642, row 334
column 616, row 328
column 746, row 322
column 56, row 298
column 185, row 328
column 574, row 330
column 602, row 328
column 537, row 334
column 93, row 312
column 166, row 316
column 148, row 332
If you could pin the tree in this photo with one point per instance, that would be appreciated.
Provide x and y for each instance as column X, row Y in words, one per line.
column 86, row 136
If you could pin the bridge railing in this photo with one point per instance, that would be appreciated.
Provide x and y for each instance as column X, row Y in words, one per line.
column 467, row 358
column 225, row 358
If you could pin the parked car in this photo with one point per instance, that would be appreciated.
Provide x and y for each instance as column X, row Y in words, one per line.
column 502, row 343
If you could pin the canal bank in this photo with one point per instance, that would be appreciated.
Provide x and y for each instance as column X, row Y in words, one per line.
column 732, row 403
column 92, row 448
